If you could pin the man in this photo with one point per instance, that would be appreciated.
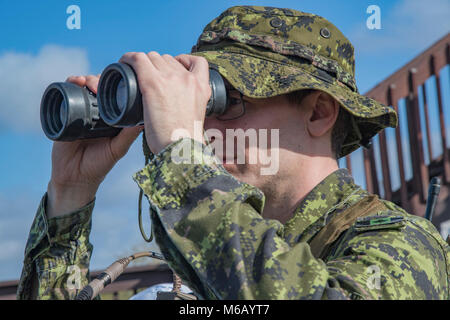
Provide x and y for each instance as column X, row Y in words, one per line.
column 304, row 232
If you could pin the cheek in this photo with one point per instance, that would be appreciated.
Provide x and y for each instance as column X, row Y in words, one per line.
column 291, row 132
column 287, row 124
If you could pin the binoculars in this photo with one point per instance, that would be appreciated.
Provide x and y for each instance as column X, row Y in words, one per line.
column 70, row 112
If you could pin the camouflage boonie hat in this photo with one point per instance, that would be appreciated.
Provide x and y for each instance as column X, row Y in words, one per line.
column 265, row 51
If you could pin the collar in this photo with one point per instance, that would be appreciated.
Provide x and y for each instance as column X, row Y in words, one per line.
column 320, row 201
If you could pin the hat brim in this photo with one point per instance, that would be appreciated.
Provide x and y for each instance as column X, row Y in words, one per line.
column 261, row 78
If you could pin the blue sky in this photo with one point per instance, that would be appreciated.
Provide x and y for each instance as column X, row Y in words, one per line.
column 36, row 48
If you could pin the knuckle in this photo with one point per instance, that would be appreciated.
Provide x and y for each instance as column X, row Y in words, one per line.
column 200, row 60
column 127, row 55
column 153, row 54
column 138, row 56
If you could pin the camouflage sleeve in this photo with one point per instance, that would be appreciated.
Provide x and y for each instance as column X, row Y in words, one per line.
column 210, row 229
column 57, row 252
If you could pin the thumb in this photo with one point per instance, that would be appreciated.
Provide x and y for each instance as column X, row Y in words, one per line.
column 122, row 142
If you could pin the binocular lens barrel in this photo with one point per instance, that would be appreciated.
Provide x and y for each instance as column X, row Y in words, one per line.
column 54, row 115
column 69, row 112
column 120, row 101
column 119, row 97
column 218, row 101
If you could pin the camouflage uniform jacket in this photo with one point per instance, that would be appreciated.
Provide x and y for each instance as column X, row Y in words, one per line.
column 210, row 229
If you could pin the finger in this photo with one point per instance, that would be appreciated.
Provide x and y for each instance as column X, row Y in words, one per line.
column 157, row 60
column 141, row 64
column 137, row 59
column 197, row 65
column 92, row 83
column 78, row 80
column 122, row 142
column 172, row 62
column 185, row 61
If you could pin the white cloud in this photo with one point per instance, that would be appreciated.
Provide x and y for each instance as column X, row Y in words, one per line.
column 24, row 77
column 412, row 24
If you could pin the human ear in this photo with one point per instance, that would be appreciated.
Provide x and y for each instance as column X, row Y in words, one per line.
column 323, row 113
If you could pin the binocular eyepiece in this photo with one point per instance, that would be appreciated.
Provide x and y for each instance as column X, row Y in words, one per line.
column 70, row 112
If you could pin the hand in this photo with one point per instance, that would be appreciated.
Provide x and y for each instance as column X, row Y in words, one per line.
column 175, row 92
column 78, row 167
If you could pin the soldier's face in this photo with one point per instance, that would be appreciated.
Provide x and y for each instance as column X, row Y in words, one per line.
column 273, row 137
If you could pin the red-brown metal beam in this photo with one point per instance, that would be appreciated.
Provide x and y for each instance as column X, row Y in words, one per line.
column 420, row 63
column 427, row 121
column 420, row 171
column 446, row 161
column 348, row 164
column 401, row 167
column 385, row 166
column 370, row 171
column 133, row 278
